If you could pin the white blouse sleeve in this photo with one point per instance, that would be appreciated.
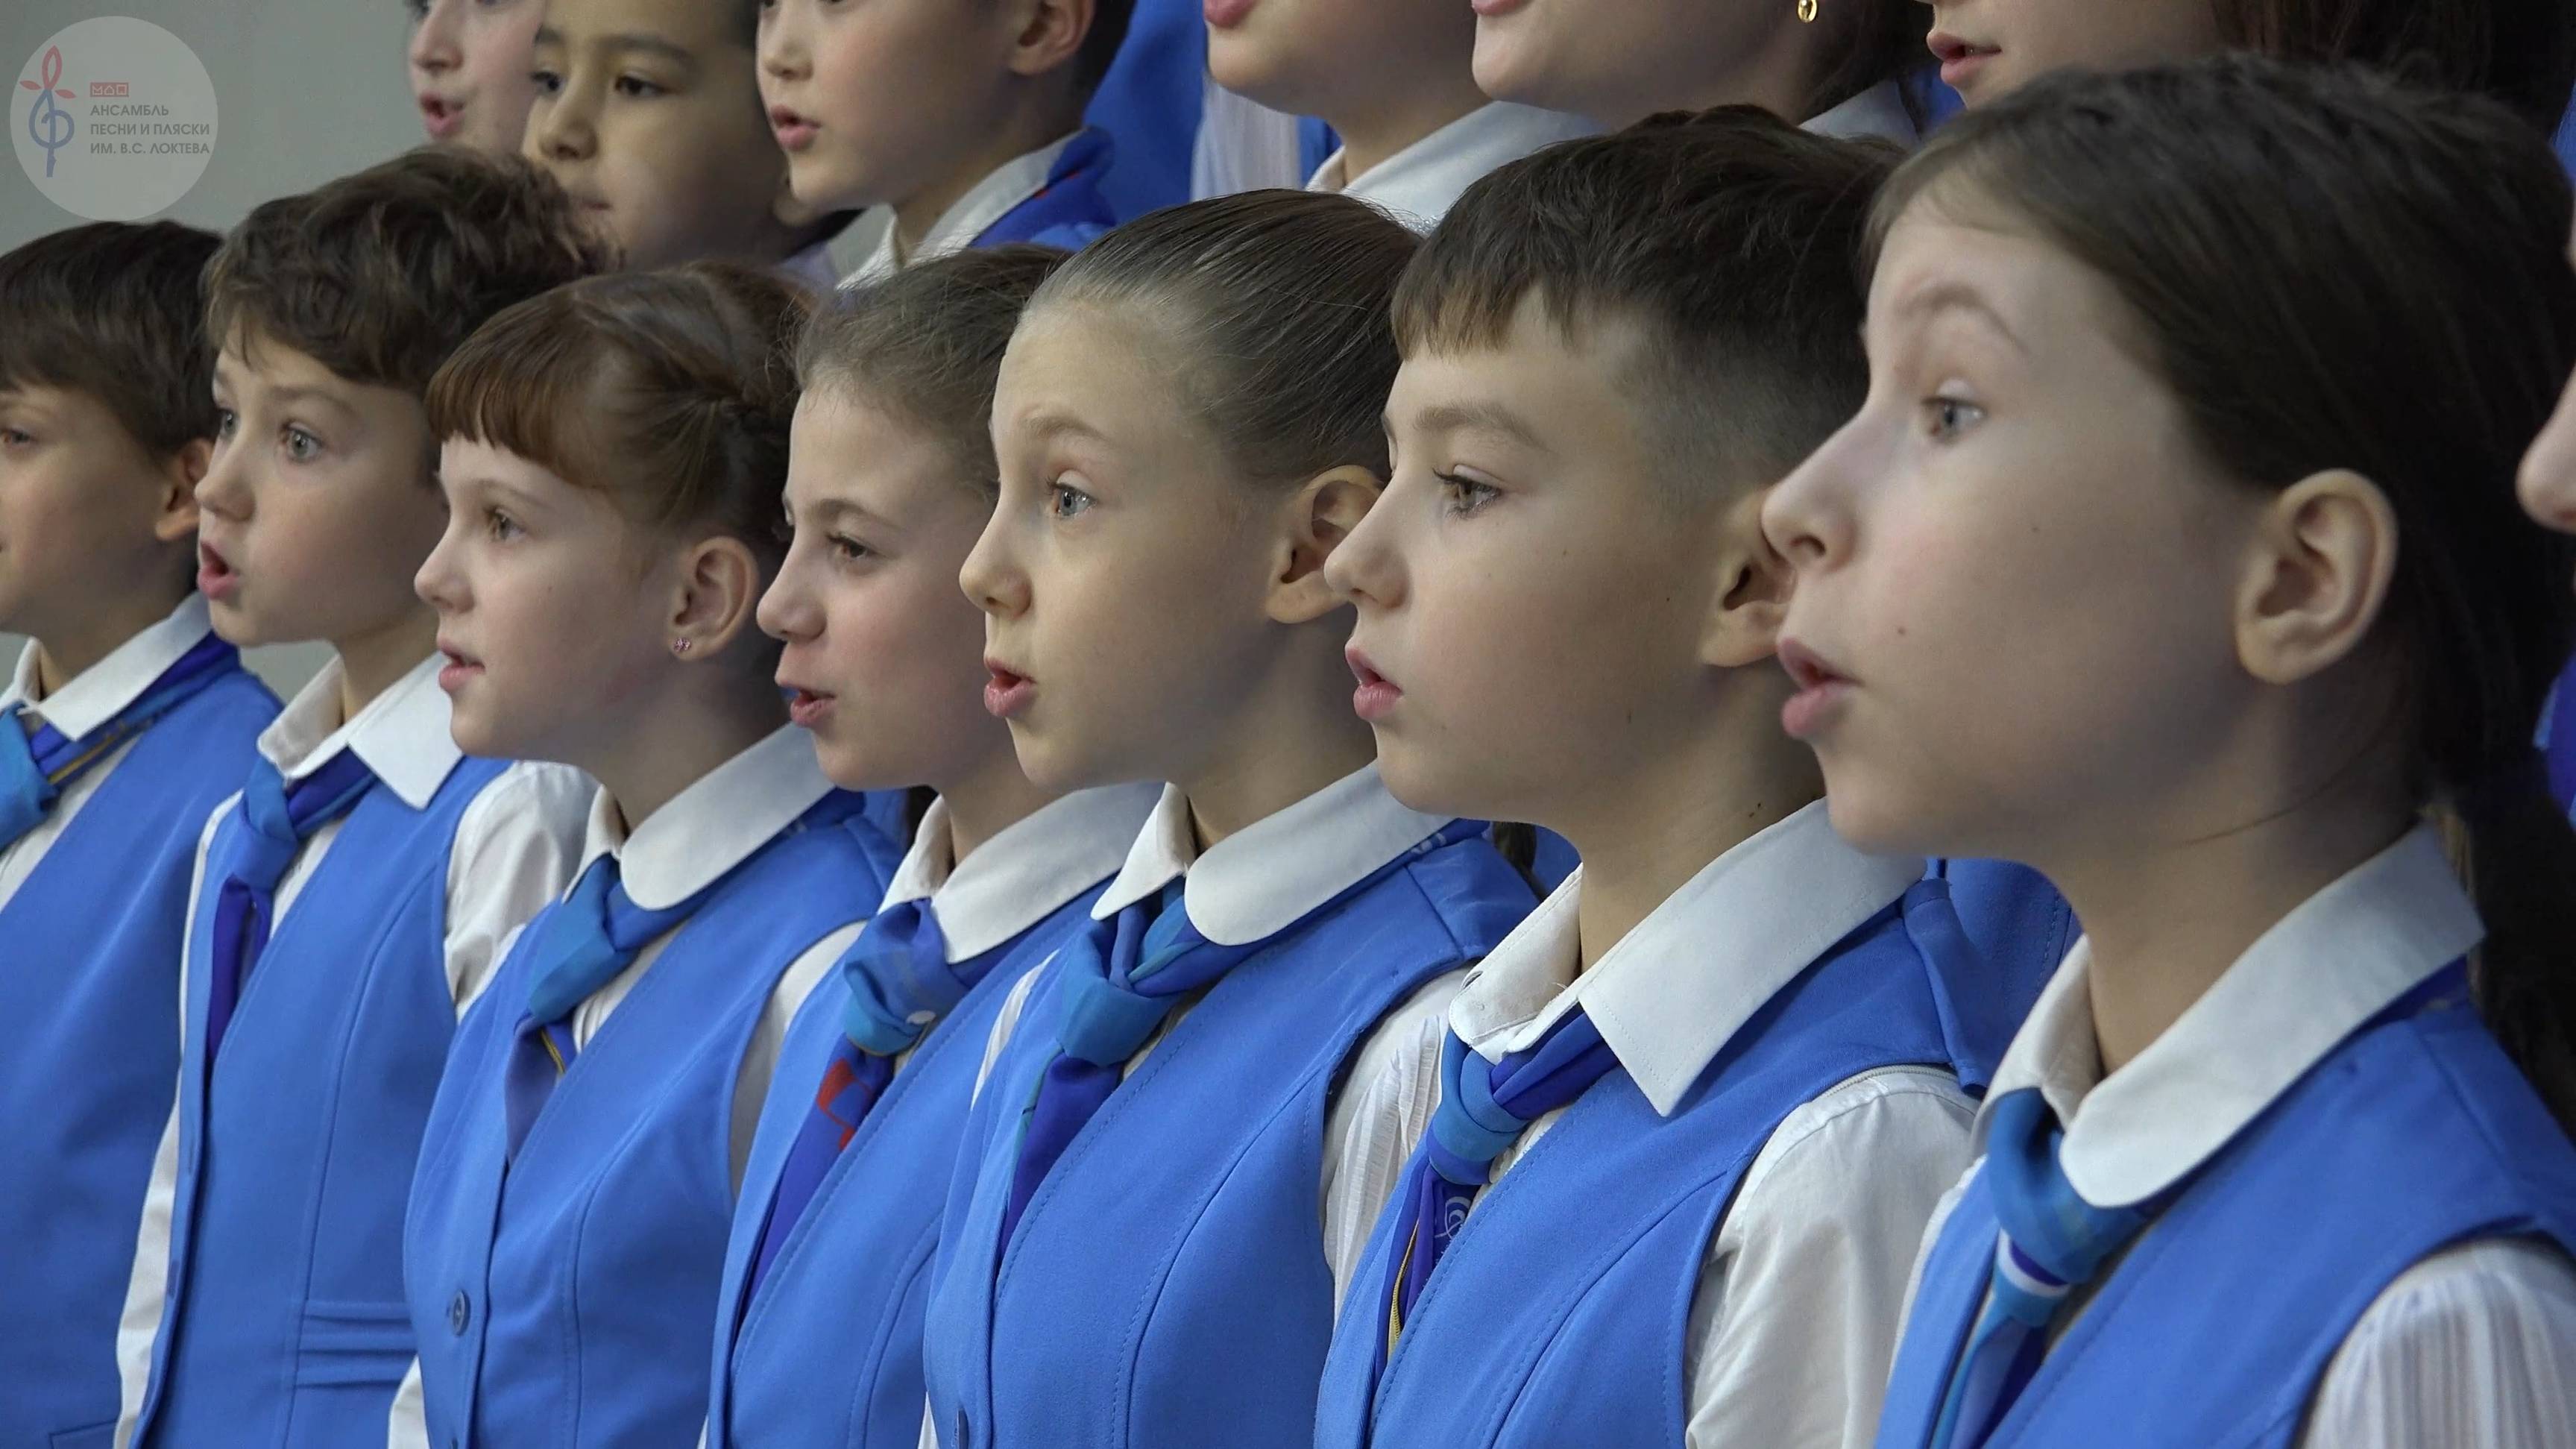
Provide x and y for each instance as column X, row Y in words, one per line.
column 516, row 847
column 769, row 1035
column 1793, row 1327
column 1382, row 1110
column 2474, row 1345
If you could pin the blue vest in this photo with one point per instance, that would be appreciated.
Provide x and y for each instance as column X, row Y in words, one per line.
column 1068, row 211
column 89, row 1050
column 1560, row 1313
column 1150, row 100
column 1167, row 1283
column 284, row 1322
column 568, row 1299
column 2215, row 1331
column 829, row 1350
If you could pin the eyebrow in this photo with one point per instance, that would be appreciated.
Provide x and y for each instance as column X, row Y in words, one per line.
column 1954, row 296
column 1049, row 426
column 1480, row 418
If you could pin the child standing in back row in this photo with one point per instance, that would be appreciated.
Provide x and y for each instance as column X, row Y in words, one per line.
column 349, row 904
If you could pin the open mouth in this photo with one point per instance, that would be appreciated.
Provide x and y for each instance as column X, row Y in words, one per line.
column 441, row 117
column 794, row 132
column 1960, row 59
column 1377, row 695
column 1821, row 688
column 459, row 669
column 217, row 579
column 809, row 708
column 1008, row 691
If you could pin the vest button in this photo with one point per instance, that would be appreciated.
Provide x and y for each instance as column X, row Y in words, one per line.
column 460, row 1312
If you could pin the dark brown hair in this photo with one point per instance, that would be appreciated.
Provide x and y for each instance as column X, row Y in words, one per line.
column 1276, row 302
column 669, row 391
column 2522, row 52
column 926, row 344
column 378, row 276
column 2333, row 271
column 1730, row 240
column 115, row 311
column 1883, row 41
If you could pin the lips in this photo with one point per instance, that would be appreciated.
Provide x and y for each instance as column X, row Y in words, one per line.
column 794, row 132
column 441, row 117
column 1008, row 692
column 1225, row 14
column 460, row 668
column 217, row 579
column 809, row 708
column 1961, row 59
column 1377, row 696
column 1821, row 688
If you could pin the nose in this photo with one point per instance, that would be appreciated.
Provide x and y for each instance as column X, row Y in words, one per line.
column 224, row 492
column 440, row 583
column 992, row 577
column 1808, row 517
column 561, row 128
column 435, row 47
column 784, row 55
column 1367, row 568
column 2548, row 481
column 787, row 611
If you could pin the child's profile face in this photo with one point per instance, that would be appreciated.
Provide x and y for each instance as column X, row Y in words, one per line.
column 1613, row 61
column 875, row 102
column 883, row 654
column 82, row 526
column 1124, row 572
column 2017, row 577
column 1532, row 586
column 2549, row 473
column 1988, row 47
column 469, row 70
column 549, row 608
column 318, row 503
column 648, row 113
column 1332, row 58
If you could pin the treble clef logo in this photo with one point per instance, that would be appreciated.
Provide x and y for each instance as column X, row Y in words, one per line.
column 48, row 124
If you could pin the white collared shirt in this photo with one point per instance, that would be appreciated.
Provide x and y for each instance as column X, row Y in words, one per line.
column 2475, row 1344
column 513, row 852
column 1257, row 882
column 1419, row 184
column 1793, row 1324
column 967, row 218
column 1879, row 111
column 87, row 701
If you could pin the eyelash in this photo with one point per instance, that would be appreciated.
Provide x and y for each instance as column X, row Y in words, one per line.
column 499, row 526
column 16, row 437
column 1464, row 496
column 291, row 436
column 850, row 550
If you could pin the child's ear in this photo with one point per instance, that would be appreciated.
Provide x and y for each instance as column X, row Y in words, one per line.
column 2316, row 576
column 1315, row 520
column 720, row 584
column 1048, row 34
column 174, row 518
column 1752, row 589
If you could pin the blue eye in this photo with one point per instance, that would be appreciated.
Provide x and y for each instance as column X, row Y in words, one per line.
column 1064, row 501
column 500, row 527
column 301, row 446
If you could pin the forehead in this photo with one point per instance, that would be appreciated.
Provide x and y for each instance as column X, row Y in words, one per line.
column 1537, row 383
column 1081, row 368
column 469, row 462
column 844, row 447
column 1941, row 270
column 680, row 28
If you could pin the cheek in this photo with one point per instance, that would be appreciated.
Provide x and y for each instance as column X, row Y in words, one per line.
column 2548, row 482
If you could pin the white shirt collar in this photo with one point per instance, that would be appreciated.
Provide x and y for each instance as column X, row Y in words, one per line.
column 401, row 734
column 1419, row 184
column 1674, row 990
column 992, row 198
column 713, row 825
column 1879, row 111
column 1263, row 878
column 92, row 697
column 2305, row 985
column 1023, row 874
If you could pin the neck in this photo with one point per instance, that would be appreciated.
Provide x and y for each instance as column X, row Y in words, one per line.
column 375, row 661
column 65, row 654
column 989, row 799
column 1776, row 73
column 1039, row 119
column 2166, row 917
column 1288, row 737
column 680, row 738
column 1384, row 125
column 1645, row 832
